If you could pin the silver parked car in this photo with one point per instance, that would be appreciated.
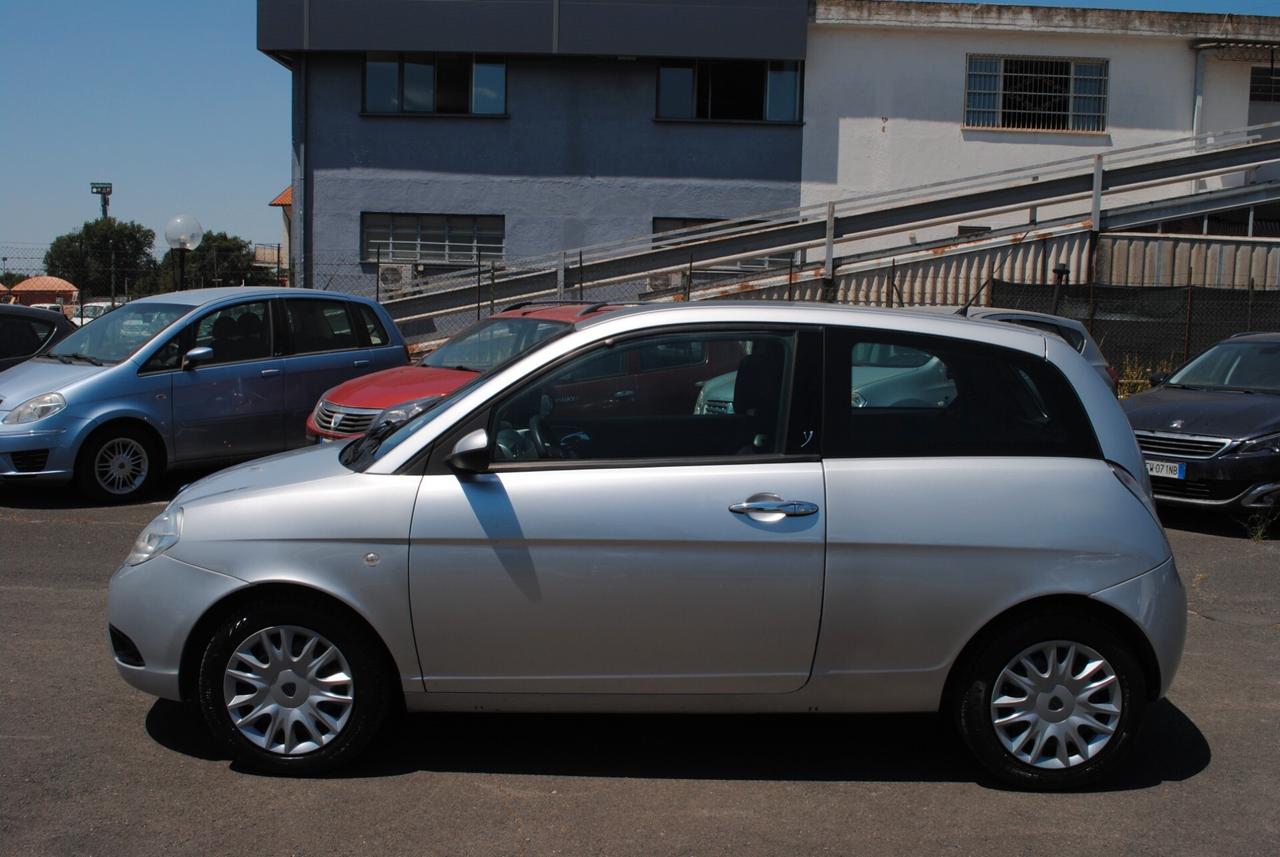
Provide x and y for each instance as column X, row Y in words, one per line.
column 547, row 539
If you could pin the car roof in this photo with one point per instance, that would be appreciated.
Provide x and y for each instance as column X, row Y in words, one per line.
column 798, row 312
column 200, row 297
column 1262, row 336
column 557, row 310
column 992, row 311
column 22, row 311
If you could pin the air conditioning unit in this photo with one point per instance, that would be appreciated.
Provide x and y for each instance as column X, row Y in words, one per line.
column 394, row 279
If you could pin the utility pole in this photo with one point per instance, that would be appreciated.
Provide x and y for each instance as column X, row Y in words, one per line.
column 103, row 191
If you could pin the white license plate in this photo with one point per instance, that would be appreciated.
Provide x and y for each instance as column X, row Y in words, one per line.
column 1167, row 469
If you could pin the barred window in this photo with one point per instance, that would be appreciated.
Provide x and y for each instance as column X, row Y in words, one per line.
column 1264, row 84
column 1036, row 93
column 444, row 239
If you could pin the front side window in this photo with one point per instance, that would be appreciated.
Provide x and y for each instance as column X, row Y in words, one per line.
column 20, row 337
column 119, row 334
column 320, row 325
column 449, row 84
column 1036, row 93
column 492, row 342
column 730, row 90
column 653, row 409
column 235, row 333
column 910, row 396
column 444, row 239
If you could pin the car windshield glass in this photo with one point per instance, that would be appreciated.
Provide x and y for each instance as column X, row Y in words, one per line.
column 119, row 334
column 492, row 342
column 1234, row 366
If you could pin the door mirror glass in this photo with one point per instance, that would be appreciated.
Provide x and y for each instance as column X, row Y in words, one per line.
column 471, row 453
column 196, row 356
column 1158, row 378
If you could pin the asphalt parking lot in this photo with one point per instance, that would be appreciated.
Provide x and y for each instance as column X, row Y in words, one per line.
column 91, row 766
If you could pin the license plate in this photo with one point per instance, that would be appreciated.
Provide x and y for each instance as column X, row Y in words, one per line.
column 1167, row 469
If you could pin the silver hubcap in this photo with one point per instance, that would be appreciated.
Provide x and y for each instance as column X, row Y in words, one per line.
column 121, row 466
column 288, row 690
column 1056, row 705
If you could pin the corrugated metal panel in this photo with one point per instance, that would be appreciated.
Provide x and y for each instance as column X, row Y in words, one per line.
column 1214, row 261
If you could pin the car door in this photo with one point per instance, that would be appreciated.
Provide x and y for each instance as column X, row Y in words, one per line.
column 325, row 350
column 629, row 553
column 232, row 405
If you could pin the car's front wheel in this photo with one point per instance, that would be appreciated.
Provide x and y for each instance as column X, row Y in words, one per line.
column 118, row 463
column 1051, row 702
column 292, row 689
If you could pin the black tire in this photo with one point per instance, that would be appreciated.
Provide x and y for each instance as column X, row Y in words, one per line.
column 972, row 712
column 370, row 686
column 86, row 476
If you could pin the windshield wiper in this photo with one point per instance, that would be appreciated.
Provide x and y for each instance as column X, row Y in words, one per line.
column 1184, row 386
column 87, row 358
column 61, row 358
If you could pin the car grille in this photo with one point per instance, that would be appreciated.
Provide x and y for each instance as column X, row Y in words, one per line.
column 30, row 461
column 340, row 420
column 1180, row 445
column 1190, row 489
column 717, row 406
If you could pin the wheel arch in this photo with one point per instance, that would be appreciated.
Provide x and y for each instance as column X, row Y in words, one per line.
column 193, row 647
column 138, row 421
column 1080, row 605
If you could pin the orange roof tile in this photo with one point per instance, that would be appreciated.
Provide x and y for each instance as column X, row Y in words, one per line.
column 285, row 197
column 44, row 284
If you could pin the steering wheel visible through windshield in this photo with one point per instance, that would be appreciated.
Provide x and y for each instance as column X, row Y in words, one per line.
column 117, row 335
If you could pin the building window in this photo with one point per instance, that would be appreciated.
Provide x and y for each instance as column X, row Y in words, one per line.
column 442, row 239
column 1036, row 93
column 451, row 84
column 730, row 90
column 1264, row 84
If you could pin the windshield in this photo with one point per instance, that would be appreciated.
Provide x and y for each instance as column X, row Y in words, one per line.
column 119, row 334
column 1252, row 366
column 365, row 450
column 492, row 342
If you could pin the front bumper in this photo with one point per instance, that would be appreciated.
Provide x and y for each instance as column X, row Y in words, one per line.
column 1240, row 481
column 43, row 454
column 155, row 606
column 1157, row 602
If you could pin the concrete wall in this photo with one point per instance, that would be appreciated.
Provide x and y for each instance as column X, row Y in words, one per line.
column 580, row 161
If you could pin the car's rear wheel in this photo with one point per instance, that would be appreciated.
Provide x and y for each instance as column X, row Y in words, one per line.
column 1051, row 702
column 293, row 689
column 117, row 463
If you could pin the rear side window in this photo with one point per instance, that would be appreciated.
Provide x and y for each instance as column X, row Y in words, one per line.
column 377, row 333
column 909, row 396
column 320, row 325
column 20, row 337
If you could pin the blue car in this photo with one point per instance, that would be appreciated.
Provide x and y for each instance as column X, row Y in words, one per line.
column 198, row 377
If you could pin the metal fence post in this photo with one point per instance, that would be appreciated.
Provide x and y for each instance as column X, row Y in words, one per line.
column 579, row 275
column 828, row 264
column 791, row 278
column 377, row 278
column 1248, row 324
column 493, row 286
column 479, row 285
column 560, row 278
column 1096, row 214
column 1186, row 333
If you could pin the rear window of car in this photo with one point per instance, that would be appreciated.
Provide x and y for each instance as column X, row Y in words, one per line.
column 933, row 396
column 320, row 325
column 20, row 337
column 377, row 333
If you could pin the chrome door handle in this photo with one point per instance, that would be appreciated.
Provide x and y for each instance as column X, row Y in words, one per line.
column 789, row 508
column 269, row 373
column 360, row 363
column 624, row 394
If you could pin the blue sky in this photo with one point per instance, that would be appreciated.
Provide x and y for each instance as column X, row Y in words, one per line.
column 173, row 104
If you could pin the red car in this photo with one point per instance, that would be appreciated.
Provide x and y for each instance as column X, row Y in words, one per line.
column 348, row 409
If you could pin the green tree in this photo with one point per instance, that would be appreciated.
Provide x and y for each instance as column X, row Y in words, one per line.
column 12, row 278
column 220, row 260
column 85, row 257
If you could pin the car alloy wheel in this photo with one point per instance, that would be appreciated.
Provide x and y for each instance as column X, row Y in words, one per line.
column 288, row 690
column 121, row 466
column 1055, row 705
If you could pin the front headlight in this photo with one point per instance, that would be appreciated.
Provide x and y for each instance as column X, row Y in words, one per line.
column 1269, row 445
column 44, row 405
column 405, row 410
column 158, row 536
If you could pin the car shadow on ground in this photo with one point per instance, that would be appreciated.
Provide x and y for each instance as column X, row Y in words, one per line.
column 785, row 747
column 18, row 494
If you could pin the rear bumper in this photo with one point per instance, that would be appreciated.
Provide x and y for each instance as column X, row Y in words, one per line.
column 1157, row 603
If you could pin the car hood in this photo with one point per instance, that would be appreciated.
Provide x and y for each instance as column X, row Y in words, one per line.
column 1205, row 412
column 288, row 468
column 401, row 384
column 39, row 375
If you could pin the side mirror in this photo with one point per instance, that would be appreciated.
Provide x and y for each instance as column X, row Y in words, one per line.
column 471, row 453
column 196, row 356
column 1158, row 378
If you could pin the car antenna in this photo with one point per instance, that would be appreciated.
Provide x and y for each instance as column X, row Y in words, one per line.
column 964, row 310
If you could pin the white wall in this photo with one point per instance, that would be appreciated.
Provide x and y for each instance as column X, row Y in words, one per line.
column 884, row 108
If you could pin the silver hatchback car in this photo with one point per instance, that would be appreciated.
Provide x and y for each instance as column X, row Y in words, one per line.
column 856, row 535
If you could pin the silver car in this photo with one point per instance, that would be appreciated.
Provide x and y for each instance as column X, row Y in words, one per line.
column 538, row 541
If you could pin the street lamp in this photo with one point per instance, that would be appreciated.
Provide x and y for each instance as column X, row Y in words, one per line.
column 183, row 234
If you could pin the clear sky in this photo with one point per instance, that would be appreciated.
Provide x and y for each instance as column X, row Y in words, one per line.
column 173, row 104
